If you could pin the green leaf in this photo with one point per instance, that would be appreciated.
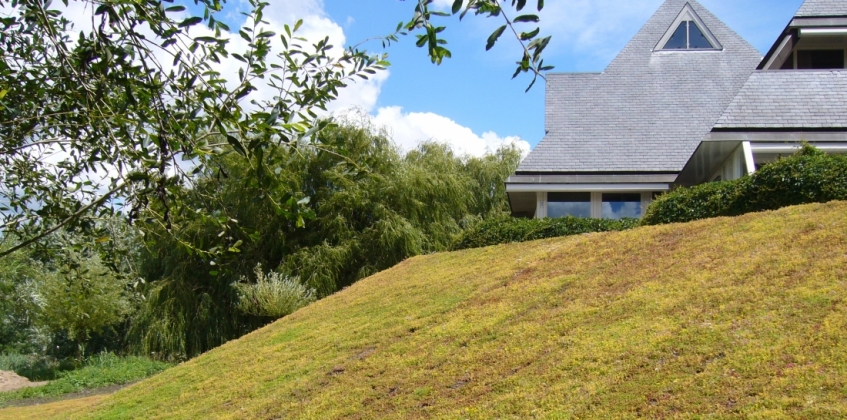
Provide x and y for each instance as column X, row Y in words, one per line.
column 521, row 4
column 3, row 93
column 236, row 145
column 190, row 22
column 494, row 37
column 298, row 25
column 540, row 5
column 527, row 18
column 175, row 9
column 457, row 6
column 526, row 36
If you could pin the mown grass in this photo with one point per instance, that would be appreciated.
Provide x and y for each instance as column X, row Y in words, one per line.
column 99, row 371
column 725, row 318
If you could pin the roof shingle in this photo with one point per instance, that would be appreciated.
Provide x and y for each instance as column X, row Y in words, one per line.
column 821, row 8
column 649, row 110
column 789, row 99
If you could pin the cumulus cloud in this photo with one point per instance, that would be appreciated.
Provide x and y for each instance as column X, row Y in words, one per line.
column 408, row 130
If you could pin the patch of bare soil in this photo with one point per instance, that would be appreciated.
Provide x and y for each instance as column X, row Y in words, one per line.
column 10, row 381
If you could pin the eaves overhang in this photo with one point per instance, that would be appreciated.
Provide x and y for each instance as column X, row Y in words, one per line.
column 717, row 147
column 523, row 188
column 591, row 179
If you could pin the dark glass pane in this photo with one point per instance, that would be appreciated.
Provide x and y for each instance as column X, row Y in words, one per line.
column 696, row 39
column 618, row 206
column 789, row 63
column 678, row 40
column 569, row 204
column 820, row 59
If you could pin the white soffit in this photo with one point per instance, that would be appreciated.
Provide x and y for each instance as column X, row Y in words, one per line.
column 586, row 187
column 823, row 31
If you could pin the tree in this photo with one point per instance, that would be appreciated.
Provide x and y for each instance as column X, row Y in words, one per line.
column 366, row 206
column 101, row 121
column 97, row 120
column 81, row 297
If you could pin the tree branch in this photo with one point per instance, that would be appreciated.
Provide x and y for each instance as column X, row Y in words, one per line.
column 63, row 223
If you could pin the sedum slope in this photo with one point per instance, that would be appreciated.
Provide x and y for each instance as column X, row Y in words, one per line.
column 732, row 317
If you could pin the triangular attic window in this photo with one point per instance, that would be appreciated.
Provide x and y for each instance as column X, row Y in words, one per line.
column 688, row 32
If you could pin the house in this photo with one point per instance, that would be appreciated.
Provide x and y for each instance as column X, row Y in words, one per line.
column 687, row 101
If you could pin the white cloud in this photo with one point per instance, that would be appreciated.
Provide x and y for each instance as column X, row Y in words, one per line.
column 408, row 130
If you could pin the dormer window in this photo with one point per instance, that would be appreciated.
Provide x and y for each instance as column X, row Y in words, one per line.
column 688, row 37
column 688, row 32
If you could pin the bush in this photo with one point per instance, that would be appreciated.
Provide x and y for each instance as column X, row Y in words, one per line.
column 508, row 229
column 810, row 176
column 34, row 367
column 273, row 295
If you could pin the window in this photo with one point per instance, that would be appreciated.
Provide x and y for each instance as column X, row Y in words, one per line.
column 569, row 204
column 688, row 36
column 820, row 59
column 789, row 63
column 688, row 32
column 618, row 206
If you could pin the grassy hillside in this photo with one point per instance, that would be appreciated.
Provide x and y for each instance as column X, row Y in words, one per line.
column 738, row 317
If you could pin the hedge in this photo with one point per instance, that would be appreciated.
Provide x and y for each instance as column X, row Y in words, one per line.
column 810, row 176
column 508, row 229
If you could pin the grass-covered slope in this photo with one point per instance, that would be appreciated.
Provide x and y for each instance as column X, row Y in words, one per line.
column 737, row 317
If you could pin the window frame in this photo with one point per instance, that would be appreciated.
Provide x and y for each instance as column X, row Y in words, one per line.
column 688, row 15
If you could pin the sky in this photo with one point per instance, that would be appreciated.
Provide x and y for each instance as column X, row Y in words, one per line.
column 470, row 100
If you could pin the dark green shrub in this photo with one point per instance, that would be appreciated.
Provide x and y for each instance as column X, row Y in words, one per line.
column 508, row 229
column 810, row 176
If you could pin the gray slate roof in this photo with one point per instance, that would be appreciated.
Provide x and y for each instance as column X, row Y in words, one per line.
column 789, row 99
column 648, row 111
column 819, row 8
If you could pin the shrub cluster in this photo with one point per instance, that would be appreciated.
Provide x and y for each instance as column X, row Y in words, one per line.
column 810, row 176
column 508, row 229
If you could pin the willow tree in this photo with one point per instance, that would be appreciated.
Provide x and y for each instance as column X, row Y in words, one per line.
column 366, row 206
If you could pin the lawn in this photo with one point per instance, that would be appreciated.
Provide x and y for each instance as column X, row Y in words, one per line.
column 740, row 317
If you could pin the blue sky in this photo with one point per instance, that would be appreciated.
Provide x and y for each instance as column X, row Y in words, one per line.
column 470, row 100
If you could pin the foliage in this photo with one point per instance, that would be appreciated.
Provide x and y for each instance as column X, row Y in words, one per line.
column 728, row 318
column 18, row 329
column 81, row 297
column 99, row 371
column 366, row 207
column 35, row 367
column 531, row 47
column 272, row 295
column 810, row 176
column 99, row 117
column 505, row 230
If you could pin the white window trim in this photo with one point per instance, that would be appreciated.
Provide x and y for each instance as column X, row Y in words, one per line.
column 688, row 14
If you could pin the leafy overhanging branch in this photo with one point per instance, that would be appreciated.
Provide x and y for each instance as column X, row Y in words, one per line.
column 532, row 45
column 136, row 94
